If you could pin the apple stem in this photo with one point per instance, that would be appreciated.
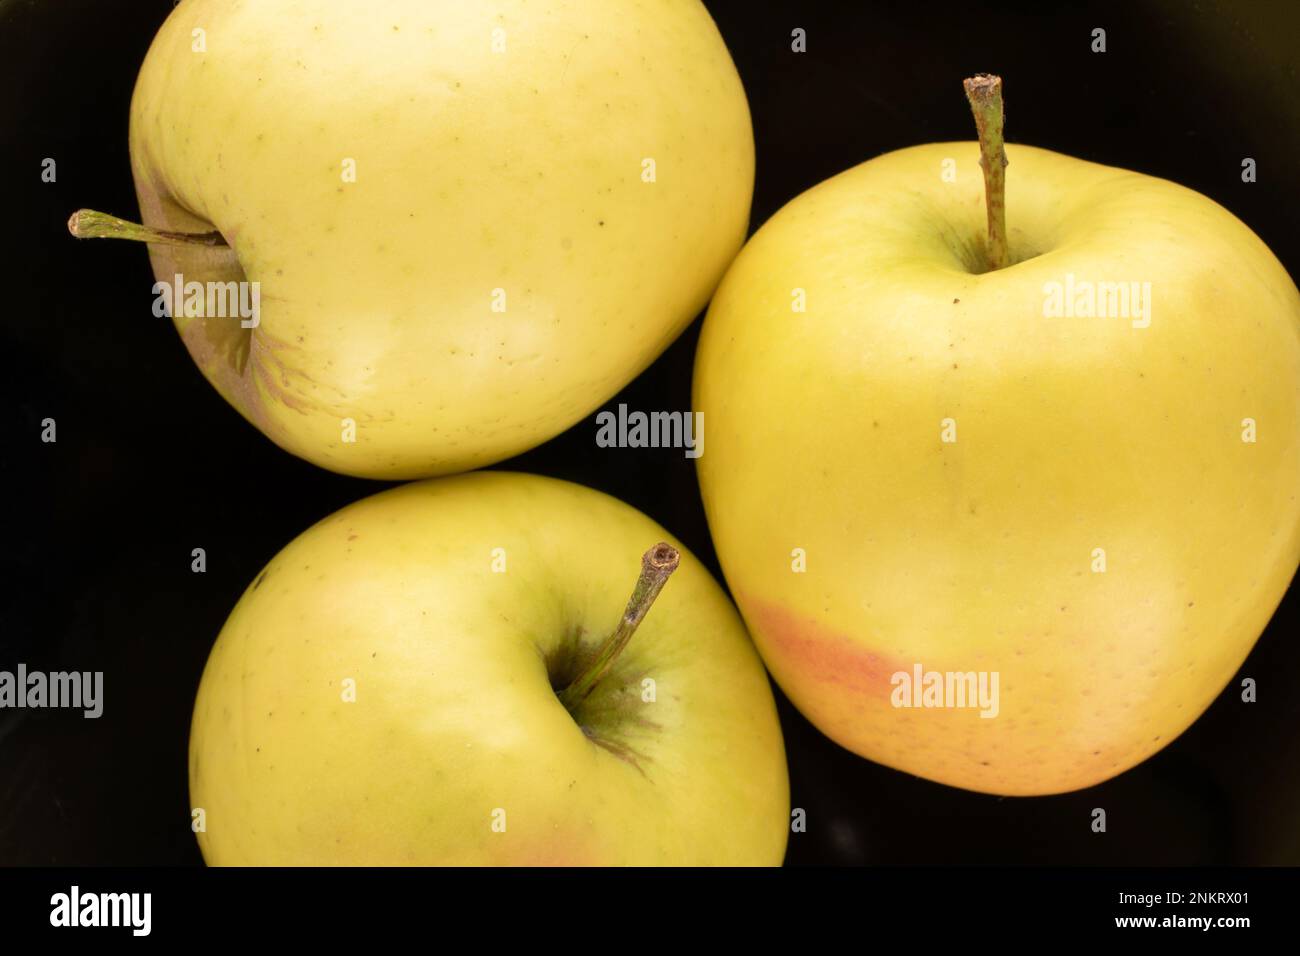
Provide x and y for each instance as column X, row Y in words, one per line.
column 656, row 565
column 89, row 224
column 985, row 95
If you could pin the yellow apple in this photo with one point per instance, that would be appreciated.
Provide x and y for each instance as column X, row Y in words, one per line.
column 388, row 691
column 471, row 223
column 915, row 461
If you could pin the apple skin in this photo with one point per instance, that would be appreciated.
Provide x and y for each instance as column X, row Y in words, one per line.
column 454, row 714
column 475, row 171
column 1072, row 434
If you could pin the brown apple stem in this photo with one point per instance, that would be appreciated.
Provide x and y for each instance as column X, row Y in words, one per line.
column 985, row 95
column 89, row 224
column 656, row 565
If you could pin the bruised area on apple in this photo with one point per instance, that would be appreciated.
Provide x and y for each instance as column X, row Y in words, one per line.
column 446, row 208
column 852, row 699
column 454, row 672
column 1115, row 516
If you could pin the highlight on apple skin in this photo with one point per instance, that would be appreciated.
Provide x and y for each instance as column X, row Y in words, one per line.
column 419, row 679
column 1069, row 484
column 470, row 223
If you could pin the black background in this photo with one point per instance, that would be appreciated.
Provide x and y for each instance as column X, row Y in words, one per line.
column 150, row 462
